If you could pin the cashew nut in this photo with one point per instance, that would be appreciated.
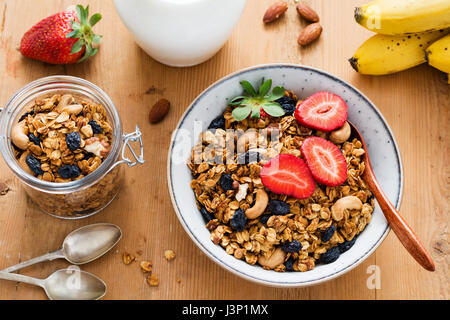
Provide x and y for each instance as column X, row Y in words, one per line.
column 23, row 162
column 342, row 134
column 349, row 203
column 65, row 100
column 18, row 136
column 262, row 199
column 274, row 260
column 248, row 137
column 72, row 109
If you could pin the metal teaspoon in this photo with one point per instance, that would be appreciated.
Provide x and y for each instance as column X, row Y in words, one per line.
column 80, row 246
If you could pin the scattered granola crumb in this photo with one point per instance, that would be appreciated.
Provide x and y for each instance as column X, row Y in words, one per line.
column 153, row 280
column 128, row 258
column 169, row 255
column 3, row 189
column 178, row 280
column 146, row 266
column 139, row 252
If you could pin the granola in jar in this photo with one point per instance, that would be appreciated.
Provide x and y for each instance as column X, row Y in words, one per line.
column 278, row 180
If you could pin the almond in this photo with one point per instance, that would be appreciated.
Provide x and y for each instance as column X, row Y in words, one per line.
column 275, row 11
column 307, row 13
column 159, row 111
column 310, row 34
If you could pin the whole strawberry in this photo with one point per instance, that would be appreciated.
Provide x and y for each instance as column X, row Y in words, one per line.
column 63, row 38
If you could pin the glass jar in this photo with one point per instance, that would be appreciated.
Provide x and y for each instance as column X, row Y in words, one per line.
column 89, row 195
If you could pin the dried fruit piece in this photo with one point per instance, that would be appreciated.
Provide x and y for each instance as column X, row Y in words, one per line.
column 34, row 139
column 159, row 111
column 288, row 104
column 275, row 11
column 207, row 216
column 289, row 264
column 226, row 182
column 343, row 247
column 96, row 128
column 34, row 165
column 289, row 175
column 326, row 162
column 239, row 220
column 323, row 111
column 293, row 246
column 68, row 171
column 73, row 141
column 330, row 256
column 169, row 255
column 307, row 13
column 153, row 280
column 278, row 207
column 310, row 34
column 217, row 123
column 146, row 266
column 128, row 258
column 328, row 233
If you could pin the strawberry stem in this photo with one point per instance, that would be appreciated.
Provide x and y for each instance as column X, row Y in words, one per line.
column 82, row 30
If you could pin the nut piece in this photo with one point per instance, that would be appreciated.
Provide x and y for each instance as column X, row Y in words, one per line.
column 342, row 134
column 274, row 260
column 153, row 280
column 146, row 266
column 128, row 258
column 159, row 111
column 310, row 34
column 346, row 203
column 307, row 13
column 275, row 11
column 169, row 255
column 18, row 136
column 261, row 202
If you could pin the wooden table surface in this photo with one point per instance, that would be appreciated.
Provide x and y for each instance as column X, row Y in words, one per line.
column 415, row 103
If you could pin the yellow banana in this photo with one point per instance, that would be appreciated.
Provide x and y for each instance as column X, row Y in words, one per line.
column 395, row 17
column 438, row 54
column 382, row 54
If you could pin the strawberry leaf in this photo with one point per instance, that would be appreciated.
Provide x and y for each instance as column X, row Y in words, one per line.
column 277, row 93
column 248, row 88
column 94, row 19
column 255, row 111
column 241, row 113
column 77, row 46
column 273, row 109
column 265, row 88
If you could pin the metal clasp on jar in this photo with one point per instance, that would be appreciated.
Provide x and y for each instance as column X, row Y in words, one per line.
column 127, row 138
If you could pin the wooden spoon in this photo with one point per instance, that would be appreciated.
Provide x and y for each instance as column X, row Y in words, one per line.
column 401, row 229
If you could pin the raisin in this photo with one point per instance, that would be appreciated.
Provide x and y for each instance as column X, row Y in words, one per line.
column 226, row 182
column 288, row 104
column 328, row 233
column 23, row 117
column 264, row 218
column 249, row 157
column 347, row 245
column 289, row 264
column 279, row 208
column 96, row 129
column 68, row 171
column 217, row 123
column 34, row 139
column 207, row 216
column 239, row 220
column 73, row 141
column 294, row 246
column 87, row 155
column 34, row 165
column 330, row 256
column 16, row 147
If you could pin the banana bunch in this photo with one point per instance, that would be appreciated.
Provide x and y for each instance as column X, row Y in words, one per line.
column 409, row 33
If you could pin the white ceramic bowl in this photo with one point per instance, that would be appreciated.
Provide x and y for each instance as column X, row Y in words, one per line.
column 304, row 81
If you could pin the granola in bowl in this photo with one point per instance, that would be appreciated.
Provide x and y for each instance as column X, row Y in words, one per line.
column 278, row 179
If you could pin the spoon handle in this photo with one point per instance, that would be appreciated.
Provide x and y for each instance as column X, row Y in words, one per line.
column 46, row 257
column 402, row 230
column 21, row 278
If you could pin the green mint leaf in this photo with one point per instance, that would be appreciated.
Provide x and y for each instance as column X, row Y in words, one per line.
column 273, row 109
column 265, row 88
column 248, row 88
column 94, row 19
column 77, row 46
column 241, row 113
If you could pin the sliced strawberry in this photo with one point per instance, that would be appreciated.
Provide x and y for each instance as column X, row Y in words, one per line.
column 323, row 111
column 325, row 160
column 289, row 175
